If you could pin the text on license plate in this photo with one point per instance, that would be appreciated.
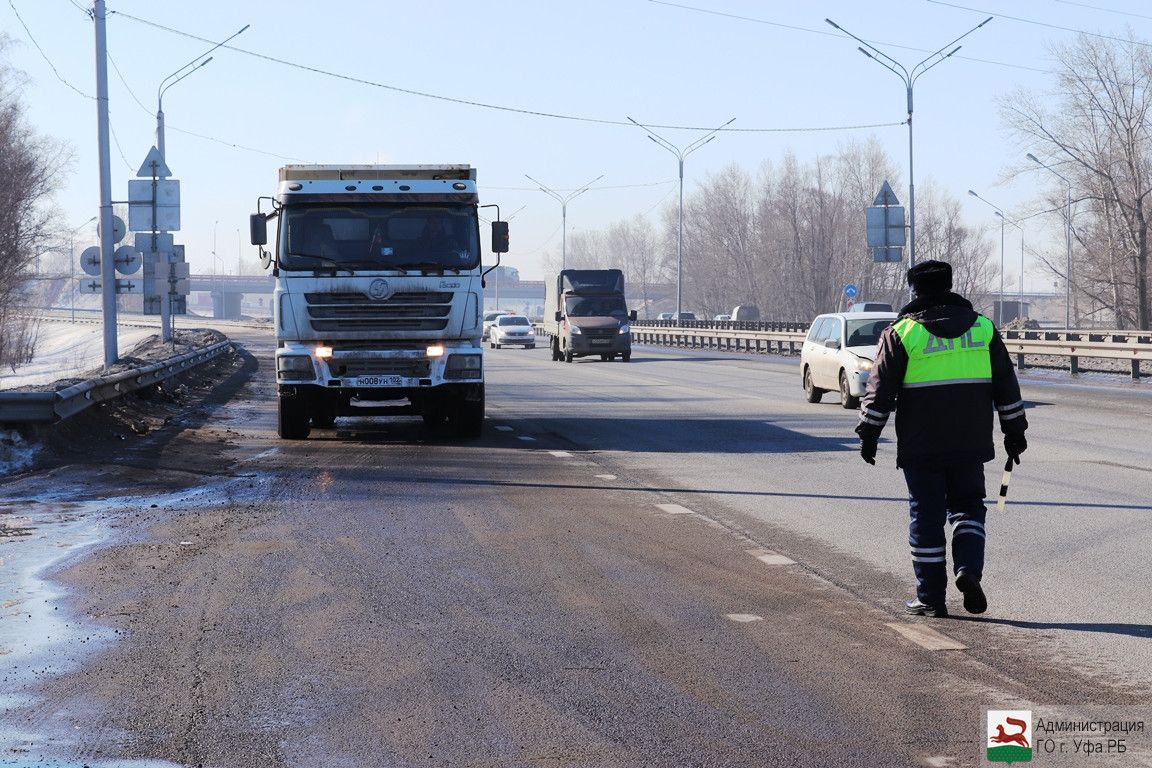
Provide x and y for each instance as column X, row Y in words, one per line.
column 601, row 342
column 380, row 381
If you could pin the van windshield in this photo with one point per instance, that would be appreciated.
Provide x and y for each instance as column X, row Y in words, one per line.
column 595, row 306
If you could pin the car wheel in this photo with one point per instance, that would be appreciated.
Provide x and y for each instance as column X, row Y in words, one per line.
column 812, row 393
column 847, row 401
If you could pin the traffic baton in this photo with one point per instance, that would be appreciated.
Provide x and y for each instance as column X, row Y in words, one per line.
column 1004, row 485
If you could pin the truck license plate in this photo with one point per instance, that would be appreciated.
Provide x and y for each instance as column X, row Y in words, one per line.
column 601, row 342
column 380, row 381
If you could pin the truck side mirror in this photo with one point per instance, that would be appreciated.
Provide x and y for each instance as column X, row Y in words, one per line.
column 258, row 228
column 499, row 237
column 632, row 315
column 559, row 316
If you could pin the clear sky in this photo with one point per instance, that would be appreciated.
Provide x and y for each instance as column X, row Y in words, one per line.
column 336, row 82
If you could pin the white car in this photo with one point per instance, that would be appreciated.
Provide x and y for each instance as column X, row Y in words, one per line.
column 512, row 330
column 489, row 318
column 838, row 354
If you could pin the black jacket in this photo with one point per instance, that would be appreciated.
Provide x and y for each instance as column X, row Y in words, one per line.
column 945, row 424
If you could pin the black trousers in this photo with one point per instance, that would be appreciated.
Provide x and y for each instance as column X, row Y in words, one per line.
column 936, row 495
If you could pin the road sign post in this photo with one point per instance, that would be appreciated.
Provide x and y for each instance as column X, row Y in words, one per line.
column 885, row 226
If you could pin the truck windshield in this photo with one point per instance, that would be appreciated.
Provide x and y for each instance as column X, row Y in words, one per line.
column 379, row 236
column 595, row 306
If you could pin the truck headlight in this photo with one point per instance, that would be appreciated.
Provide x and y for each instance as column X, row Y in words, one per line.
column 575, row 329
column 463, row 367
column 625, row 328
column 294, row 367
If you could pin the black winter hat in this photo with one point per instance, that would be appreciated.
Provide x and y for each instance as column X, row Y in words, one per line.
column 929, row 277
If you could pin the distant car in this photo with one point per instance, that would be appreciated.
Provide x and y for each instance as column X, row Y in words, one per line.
column 664, row 316
column 870, row 306
column 683, row 315
column 512, row 330
column 489, row 318
column 838, row 354
column 722, row 317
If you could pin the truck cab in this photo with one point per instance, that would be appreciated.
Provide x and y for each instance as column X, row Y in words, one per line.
column 586, row 314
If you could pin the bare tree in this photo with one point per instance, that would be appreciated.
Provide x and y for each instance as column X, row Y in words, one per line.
column 1100, row 135
column 30, row 167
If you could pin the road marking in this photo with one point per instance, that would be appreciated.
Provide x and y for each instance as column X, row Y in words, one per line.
column 561, row 454
column 926, row 637
column 768, row 557
column 743, row 618
column 606, row 477
column 526, row 439
column 675, row 509
column 503, row 428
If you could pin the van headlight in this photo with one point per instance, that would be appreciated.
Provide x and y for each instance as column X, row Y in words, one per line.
column 575, row 329
column 625, row 328
column 463, row 367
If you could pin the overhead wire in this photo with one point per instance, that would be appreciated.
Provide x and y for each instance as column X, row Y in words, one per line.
column 1105, row 10
column 1045, row 24
column 49, row 61
column 484, row 105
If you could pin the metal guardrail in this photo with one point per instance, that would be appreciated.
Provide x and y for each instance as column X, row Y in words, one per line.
column 49, row 407
column 787, row 338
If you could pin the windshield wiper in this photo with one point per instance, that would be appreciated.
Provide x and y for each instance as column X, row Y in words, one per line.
column 324, row 262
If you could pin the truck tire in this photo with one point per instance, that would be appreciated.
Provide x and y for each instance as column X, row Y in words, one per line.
column 625, row 356
column 293, row 419
column 468, row 418
column 434, row 419
column 567, row 355
column 324, row 413
column 556, row 356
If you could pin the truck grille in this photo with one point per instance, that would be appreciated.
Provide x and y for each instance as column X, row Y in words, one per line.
column 600, row 333
column 418, row 311
column 412, row 368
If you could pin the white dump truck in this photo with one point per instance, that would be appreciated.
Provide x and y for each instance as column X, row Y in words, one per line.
column 379, row 294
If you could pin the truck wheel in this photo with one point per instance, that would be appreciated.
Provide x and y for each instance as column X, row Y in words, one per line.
column 847, row 401
column 434, row 419
column 625, row 356
column 567, row 355
column 293, row 421
column 556, row 356
column 605, row 358
column 468, row 418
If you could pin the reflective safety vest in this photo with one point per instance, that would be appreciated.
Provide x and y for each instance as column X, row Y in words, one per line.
column 933, row 362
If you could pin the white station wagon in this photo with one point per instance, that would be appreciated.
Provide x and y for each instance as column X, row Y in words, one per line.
column 838, row 354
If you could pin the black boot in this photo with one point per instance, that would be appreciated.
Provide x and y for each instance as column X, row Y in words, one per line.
column 974, row 599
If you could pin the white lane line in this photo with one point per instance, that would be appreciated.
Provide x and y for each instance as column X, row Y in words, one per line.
column 561, row 454
column 605, row 477
column 675, row 509
column 926, row 637
column 503, row 428
column 768, row 557
column 743, row 618
column 526, row 439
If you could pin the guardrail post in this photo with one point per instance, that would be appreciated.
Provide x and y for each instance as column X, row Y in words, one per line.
column 1074, row 365
column 1135, row 370
column 1020, row 364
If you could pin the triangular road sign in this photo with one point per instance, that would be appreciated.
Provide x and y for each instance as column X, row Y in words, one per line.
column 885, row 196
column 154, row 166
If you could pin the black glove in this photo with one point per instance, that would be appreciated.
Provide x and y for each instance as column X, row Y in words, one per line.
column 869, row 438
column 1014, row 445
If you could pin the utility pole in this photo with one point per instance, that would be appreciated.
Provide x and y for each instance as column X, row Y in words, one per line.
column 107, row 241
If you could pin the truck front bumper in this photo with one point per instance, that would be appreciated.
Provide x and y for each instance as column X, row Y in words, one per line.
column 299, row 364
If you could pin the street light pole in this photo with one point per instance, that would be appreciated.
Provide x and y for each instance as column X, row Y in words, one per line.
column 563, row 211
column 680, row 153
column 1067, row 239
column 909, row 77
column 175, row 77
column 1003, row 218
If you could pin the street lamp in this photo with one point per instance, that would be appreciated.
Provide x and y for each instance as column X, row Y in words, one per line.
column 563, row 211
column 909, row 77
column 1067, row 239
column 680, row 154
column 1003, row 219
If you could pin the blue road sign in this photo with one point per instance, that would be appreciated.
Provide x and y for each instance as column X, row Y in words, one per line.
column 851, row 290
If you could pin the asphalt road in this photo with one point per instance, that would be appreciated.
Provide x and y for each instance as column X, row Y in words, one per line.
column 674, row 562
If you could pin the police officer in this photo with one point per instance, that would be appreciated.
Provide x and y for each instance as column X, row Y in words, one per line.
column 944, row 369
